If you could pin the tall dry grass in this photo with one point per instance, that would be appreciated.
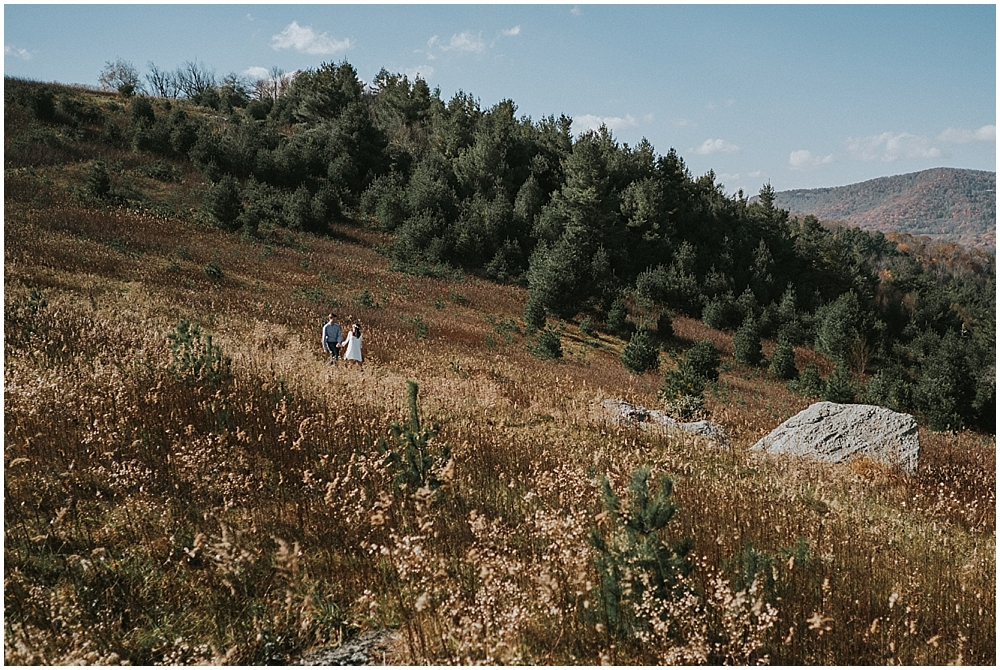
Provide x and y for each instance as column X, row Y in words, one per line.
column 157, row 519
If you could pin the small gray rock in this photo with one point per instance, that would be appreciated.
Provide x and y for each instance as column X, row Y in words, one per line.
column 635, row 415
column 837, row 433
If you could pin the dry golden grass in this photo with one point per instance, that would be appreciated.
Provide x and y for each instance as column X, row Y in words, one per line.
column 151, row 519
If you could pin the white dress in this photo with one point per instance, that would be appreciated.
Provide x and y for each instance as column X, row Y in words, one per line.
column 352, row 347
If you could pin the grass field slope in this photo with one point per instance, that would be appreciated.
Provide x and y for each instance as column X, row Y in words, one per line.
column 186, row 479
column 947, row 204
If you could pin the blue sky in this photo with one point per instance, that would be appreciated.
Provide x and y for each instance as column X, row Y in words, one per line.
column 801, row 96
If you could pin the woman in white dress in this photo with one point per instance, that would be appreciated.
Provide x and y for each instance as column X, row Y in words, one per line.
column 352, row 345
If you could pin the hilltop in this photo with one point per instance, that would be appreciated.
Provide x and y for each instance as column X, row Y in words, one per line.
column 188, row 481
column 946, row 204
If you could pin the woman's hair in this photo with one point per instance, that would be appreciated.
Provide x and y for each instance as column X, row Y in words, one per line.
column 357, row 330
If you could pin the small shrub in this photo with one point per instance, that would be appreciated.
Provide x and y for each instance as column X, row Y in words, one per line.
column 702, row 360
column 783, row 361
column 223, row 202
column 889, row 388
column 809, row 382
column 547, row 345
column 98, row 182
column 721, row 312
column 587, row 326
column 194, row 355
column 364, row 299
column 683, row 387
column 420, row 468
column 534, row 314
column 840, row 386
column 641, row 353
column 420, row 328
column 746, row 343
column 637, row 565
column 213, row 270
column 665, row 326
column 617, row 322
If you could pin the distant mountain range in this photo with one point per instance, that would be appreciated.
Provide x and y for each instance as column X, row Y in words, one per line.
column 942, row 203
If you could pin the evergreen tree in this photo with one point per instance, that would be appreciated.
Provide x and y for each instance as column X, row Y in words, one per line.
column 944, row 392
column 223, row 202
column 837, row 326
column 534, row 314
column 547, row 344
column 664, row 326
column 98, row 182
column 721, row 312
column 746, row 343
column 889, row 388
column 783, row 361
column 809, row 382
column 840, row 386
column 641, row 353
column 617, row 322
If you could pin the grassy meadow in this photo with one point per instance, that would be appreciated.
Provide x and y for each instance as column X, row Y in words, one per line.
column 175, row 499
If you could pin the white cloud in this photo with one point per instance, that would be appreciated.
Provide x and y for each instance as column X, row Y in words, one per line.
column 306, row 40
column 16, row 52
column 516, row 30
column 576, row 11
column 755, row 174
column 465, row 42
column 891, row 147
column 962, row 136
column 257, row 72
column 683, row 123
column 717, row 146
column 803, row 159
column 587, row 122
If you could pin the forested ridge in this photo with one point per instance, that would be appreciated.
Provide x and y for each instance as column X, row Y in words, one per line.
column 944, row 203
column 590, row 225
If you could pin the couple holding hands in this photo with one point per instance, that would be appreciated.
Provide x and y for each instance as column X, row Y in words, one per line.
column 351, row 346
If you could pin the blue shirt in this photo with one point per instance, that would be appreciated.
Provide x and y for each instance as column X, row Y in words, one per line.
column 331, row 333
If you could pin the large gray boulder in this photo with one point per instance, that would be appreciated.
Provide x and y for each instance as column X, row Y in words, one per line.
column 837, row 433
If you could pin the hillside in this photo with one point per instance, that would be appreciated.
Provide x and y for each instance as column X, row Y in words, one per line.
column 188, row 481
column 943, row 203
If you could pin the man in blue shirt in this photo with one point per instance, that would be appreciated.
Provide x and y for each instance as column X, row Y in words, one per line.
column 331, row 339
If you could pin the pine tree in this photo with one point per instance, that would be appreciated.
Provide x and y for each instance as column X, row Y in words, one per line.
column 98, row 182
column 547, row 344
column 641, row 353
column 783, row 361
column 840, row 386
column 223, row 202
column 809, row 382
column 664, row 326
column 746, row 343
column 617, row 321
column 534, row 314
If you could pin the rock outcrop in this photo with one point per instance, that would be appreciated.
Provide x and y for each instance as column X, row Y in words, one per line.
column 836, row 433
column 372, row 648
column 635, row 415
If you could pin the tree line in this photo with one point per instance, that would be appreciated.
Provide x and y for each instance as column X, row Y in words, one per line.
column 586, row 223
